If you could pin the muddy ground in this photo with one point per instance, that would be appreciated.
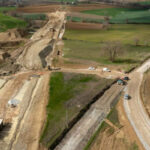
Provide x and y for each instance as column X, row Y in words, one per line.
column 29, row 115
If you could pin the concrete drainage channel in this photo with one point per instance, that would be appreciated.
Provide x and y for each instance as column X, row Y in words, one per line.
column 91, row 116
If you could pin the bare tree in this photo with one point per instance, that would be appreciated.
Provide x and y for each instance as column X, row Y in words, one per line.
column 112, row 50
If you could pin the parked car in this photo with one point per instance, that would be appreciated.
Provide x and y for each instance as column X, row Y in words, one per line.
column 106, row 70
column 121, row 82
column 127, row 97
column 91, row 68
column 126, row 78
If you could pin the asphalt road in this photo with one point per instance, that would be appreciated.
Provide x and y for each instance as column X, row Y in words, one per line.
column 134, row 108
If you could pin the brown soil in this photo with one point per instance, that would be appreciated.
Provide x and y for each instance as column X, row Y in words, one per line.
column 12, row 86
column 10, row 35
column 145, row 92
column 32, row 122
column 10, row 41
column 121, row 139
column 80, row 25
column 51, row 8
column 34, row 117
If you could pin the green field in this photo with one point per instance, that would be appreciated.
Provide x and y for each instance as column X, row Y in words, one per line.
column 65, row 98
column 33, row 16
column 6, row 9
column 87, row 44
column 143, row 2
column 108, row 11
column 123, row 15
column 8, row 22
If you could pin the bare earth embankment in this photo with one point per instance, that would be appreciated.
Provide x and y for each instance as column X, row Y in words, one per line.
column 145, row 91
column 23, row 124
column 117, row 134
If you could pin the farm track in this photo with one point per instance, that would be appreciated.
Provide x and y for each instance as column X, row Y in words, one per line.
column 113, row 75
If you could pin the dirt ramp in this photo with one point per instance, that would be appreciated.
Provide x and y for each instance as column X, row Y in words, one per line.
column 36, row 53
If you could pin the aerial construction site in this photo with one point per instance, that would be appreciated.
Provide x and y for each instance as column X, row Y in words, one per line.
column 74, row 75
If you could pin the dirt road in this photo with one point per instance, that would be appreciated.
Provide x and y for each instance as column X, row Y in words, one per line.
column 33, row 118
column 134, row 108
column 109, row 75
column 27, row 119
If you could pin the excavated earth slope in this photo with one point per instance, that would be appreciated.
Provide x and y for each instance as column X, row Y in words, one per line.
column 37, row 52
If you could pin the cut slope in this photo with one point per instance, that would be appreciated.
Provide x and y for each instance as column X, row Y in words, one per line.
column 36, row 53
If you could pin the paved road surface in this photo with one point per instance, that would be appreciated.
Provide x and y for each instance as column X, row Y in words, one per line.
column 134, row 108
